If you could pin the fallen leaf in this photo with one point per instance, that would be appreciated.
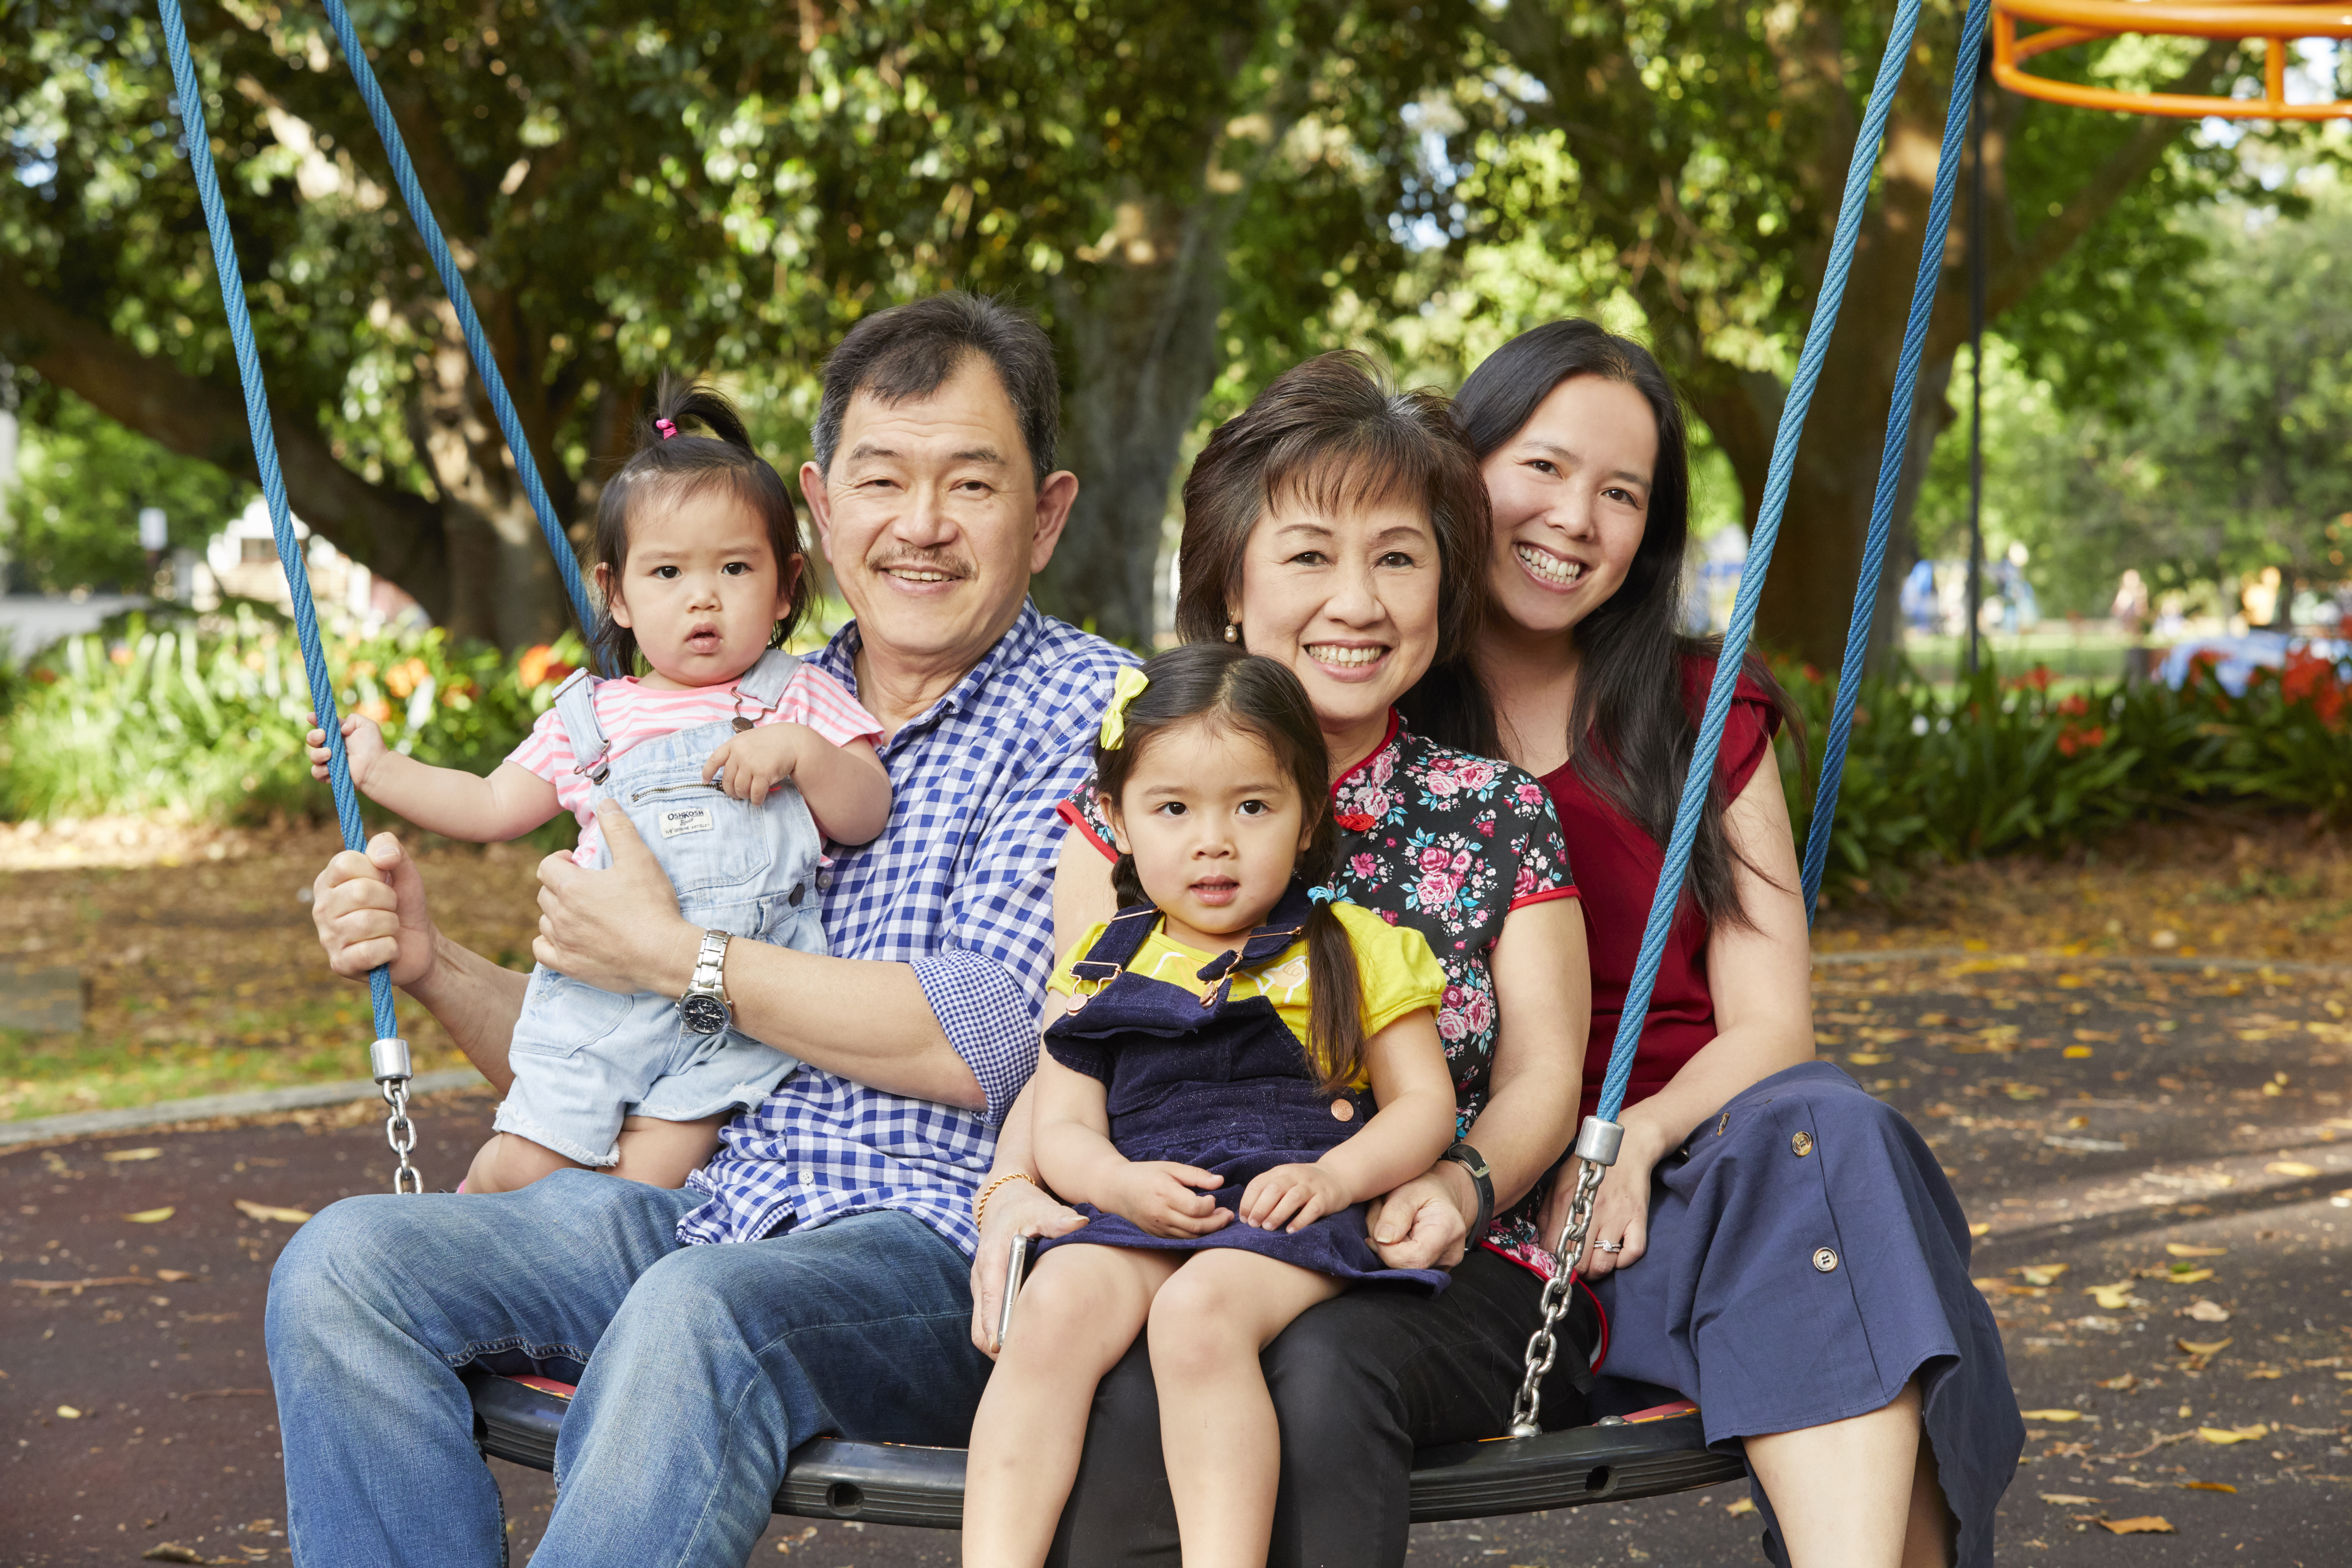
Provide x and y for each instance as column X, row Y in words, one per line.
column 2075, row 1053
column 152, row 1216
column 2206, row 1311
column 1868, row 1058
column 174, row 1276
column 2145, row 1524
column 2114, row 1298
column 2067, row 1499
column 2052, row 1415
column 2183, row 1249
column 1742, row 1506
column 2234, row 1434
column 2187, row 1276
column 118, row 1156
column 2212, row 1347
column 2123, row 1384
column 2043, row 1273
column 1980, row 1230
column 68, row 1412
column 267, row 1214
column 2208, row 1486
column 172, row 1551
column 2291, row 1168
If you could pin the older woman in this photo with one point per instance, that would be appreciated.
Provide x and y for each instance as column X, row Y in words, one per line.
column 1342, row 529
column 1773, row 1242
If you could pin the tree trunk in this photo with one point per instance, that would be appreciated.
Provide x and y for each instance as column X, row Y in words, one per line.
column 1143, row 342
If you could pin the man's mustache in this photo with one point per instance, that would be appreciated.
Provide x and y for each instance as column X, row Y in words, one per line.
column 919, row 561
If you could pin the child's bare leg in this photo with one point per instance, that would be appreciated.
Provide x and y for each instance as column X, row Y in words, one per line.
column 664, row 1153
column 1081, row 1309
column 1217, row 1425
column 509, row 1162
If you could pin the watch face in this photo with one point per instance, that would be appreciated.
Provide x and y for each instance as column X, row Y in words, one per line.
column 703, row 1015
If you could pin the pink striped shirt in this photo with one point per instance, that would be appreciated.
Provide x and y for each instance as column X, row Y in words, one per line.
column 632, row 712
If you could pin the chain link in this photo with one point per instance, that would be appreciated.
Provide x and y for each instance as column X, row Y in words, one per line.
column 401, row 1134
column 1543, row 1346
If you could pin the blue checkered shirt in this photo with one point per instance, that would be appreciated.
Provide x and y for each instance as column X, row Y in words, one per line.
column 958, row 886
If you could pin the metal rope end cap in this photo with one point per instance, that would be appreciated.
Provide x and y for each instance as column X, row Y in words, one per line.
column 1525, row 1429
column 1597, row 1142
column 389, row 1061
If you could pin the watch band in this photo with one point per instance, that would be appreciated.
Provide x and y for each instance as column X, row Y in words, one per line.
column 1483, row 1177
column 704, row 1008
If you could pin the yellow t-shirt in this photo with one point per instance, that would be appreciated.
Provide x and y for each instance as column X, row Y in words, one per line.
column 1393, row 965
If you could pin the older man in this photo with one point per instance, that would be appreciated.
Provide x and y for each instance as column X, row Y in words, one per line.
column 813, row 1278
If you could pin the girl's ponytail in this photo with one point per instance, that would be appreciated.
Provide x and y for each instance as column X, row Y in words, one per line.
column 1335, row 986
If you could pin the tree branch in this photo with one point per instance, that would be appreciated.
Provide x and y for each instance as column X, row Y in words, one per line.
column 396, row 534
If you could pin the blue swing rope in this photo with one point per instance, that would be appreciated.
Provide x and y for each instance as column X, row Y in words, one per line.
column 1701, row 777
column 478, row 343
column 265, row 459
column 1890, row 461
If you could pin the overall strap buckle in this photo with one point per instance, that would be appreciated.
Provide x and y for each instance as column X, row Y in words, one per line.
column 576, row 710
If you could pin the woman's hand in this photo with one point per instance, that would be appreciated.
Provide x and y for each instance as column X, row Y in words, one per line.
column 1425, row 1224
column 1291, row 1197
column 369, row 908
column 1621, row 1210
column 364, row 747
column 617, row 930
column 1016, row 1208
column 1158, row 1196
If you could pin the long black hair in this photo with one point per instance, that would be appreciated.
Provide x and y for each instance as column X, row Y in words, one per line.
column 1641, row 682
column 1246, row 691
column 668, row 464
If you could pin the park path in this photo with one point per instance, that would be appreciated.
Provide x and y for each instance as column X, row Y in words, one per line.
column 2176, row 1135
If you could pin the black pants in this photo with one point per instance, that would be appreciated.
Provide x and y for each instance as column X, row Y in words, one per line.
column 1359, row 1382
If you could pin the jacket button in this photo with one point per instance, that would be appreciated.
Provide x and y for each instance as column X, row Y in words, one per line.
column 1825, row 1260
column 1802, row 1145
column 1343, row 1110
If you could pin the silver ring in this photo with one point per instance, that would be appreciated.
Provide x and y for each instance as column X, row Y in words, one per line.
column 1609, row 1246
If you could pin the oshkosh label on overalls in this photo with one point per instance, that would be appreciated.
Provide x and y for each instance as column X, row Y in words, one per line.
column 686, row 819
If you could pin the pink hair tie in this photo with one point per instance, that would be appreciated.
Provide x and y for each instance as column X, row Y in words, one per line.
column 665, row 428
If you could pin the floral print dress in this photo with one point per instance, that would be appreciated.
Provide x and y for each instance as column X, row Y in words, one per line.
column 1449, row 844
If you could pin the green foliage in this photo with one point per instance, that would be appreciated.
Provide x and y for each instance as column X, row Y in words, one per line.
column 1991, row 766
column 207, row 724
column 73, row 515
column 2239, row 465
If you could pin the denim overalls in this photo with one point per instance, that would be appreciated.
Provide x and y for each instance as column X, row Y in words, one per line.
column 583, row 1058
column 1216, row 1083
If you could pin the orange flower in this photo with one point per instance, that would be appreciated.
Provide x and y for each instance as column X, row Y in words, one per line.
column 538, row 665
column 405, row 677
column 2074, row 707
column 364, row 669
column 377, row 708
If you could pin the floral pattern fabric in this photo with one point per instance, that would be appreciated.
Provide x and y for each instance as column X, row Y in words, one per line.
column 1449, row 844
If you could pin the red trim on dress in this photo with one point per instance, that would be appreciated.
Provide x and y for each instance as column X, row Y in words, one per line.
column 1396, row 722
column 1567, row 892
column 1602, row 1352
column 1068, row 812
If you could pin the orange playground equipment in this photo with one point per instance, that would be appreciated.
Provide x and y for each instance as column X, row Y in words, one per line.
column 2065, row 23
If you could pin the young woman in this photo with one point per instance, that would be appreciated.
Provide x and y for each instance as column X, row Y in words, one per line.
column 1773, row 1242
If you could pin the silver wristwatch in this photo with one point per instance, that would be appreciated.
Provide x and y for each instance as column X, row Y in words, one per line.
column 704, row 1006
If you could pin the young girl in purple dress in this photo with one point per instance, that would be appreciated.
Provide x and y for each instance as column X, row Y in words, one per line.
column 1234, row 1064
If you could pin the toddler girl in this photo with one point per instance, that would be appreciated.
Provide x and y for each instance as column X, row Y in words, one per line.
column 1202, row 1099
column 732, row 759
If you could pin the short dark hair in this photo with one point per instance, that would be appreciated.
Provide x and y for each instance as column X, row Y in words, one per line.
column 909, row 352
column 1332, row 429
column 671, row 464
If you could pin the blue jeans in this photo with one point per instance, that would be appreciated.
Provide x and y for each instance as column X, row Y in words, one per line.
column 704, row 1367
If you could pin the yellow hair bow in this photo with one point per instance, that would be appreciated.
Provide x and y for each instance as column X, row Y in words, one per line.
column 1126, row 689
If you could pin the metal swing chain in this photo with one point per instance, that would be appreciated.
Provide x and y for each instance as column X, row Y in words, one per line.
column 1597, row 1142
column 390, row 1059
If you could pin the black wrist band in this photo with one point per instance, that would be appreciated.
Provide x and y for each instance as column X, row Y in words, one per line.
column 1483, row 1178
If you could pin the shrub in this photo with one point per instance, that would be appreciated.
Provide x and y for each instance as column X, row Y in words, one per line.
column 204, row 722
column 1992, row 766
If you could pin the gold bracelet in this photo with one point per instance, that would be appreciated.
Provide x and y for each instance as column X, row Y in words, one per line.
column 980, row 1205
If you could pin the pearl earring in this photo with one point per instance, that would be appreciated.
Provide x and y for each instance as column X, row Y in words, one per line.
column 1232, row 631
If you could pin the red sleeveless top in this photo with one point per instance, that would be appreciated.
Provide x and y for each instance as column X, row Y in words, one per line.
column 1617, row 868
